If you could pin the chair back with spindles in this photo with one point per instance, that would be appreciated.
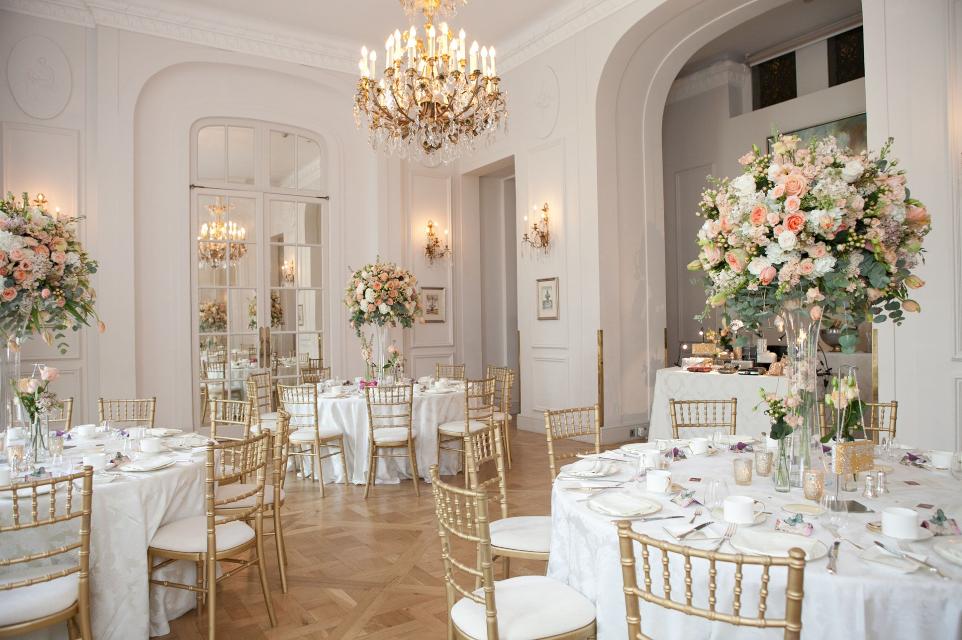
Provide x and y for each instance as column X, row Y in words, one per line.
column 235, row 461
column 282, row 450
column 301, row 403
column 390, row 406
column 232, row 415
column 61, row 418
column 479, row 400
column 315, row 375
column 504, row 383
column 463, row 527
column 580, row 424
column 451, row 371
column 485, row 448
column 878, row 419
column 315, row 363
column 260, row 387
column 700, row 416
column 138, row 412
column 667, row 552
column 53, row 505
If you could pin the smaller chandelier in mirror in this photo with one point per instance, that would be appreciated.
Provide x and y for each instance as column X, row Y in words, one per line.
column 220, row 243
column 431, row 8
column 433, row 250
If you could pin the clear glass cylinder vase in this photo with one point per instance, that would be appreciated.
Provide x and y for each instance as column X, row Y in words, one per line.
column 802, row 329
column 39, row 440
column 781, row 477
column 380, row 343
column 12, row 411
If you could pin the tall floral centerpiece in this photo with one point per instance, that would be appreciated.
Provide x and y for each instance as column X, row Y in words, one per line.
column 810, row 232
column 46, row 287
column 381, row 295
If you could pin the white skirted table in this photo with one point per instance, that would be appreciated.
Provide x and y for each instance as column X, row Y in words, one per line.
column 125, row 515
column 349, row 415
column 678, row 384
column 865, row 601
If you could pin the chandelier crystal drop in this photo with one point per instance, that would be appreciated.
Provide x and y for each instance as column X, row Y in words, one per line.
column 220, row 243
column 431, row 8
column 438, row 96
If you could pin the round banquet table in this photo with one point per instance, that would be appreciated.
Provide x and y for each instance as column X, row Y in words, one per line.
column 865, row 601
column 126, row 513
column 349, row 414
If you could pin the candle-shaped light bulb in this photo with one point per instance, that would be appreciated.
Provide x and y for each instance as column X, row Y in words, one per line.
column 373, row 64
column 484, row 61
column 388, row 51
column 429, row 34
column 461, row 35
column 364, row 61
column 494, row 71
column 474, row 56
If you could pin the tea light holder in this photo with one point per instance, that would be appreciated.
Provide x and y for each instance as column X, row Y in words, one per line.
column 813, row 484
column 743, row 471
column 763, row 463
column 848, row 460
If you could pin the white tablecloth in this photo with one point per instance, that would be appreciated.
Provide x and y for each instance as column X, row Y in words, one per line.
column 350, row 416
column 125, row 515
column 866, row 601
column 678, row 384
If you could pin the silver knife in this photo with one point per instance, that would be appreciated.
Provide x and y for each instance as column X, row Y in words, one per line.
column 903, row 556
column 660, row 518
column 833, row 557
column 693, row 530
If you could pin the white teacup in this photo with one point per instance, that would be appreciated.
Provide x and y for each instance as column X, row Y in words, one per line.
column 658, row 481
column 699, row 446
column 85, row 430
column 648, row 459
column 151, row 445
column 739, row 510
column 4, row 475
column 900, row 522
column 96, row 460
column 940, row 459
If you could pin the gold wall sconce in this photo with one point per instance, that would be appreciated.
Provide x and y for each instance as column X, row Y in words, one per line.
column 433, row 250
column 539, row 236
column 288, row 271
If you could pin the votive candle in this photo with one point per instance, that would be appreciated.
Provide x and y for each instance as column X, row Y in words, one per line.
column 743, row 471
column 763, row 463
column 813, row 484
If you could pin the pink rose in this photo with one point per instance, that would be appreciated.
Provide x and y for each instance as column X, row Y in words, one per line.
column 778, row 191
column 806, row 267
column 371, row 308
column 809, row 171
column 16, row 255
column 9, row 294
column 767, row 275
column 778, row 230
column 758, row 214
column 795, row 184
column 59, row 257
column 19, row 275
column 773, row 218
column 795, row 222
column 914, row 216
column 818, row 251
column 858, row 202
column 45, row 294
column 726, row 224
column 713, row 254
column 792, row 203
column 746, row 159
column 49, row 374
column 736, row 259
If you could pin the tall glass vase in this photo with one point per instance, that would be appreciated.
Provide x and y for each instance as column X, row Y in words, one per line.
column 781, row 476
column 802, row 331
column 38, row 438
column 380, row 344
column 11, row 411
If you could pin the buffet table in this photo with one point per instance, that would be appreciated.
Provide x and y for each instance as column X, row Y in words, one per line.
column 678, row 384
column 867, row 600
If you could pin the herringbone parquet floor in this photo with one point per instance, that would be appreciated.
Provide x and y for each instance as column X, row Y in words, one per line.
column 366, row 569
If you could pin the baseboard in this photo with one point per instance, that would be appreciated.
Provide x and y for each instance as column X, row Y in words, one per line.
column 610, row 434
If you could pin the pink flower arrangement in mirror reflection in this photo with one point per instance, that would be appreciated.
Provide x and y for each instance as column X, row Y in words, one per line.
column 45, row 273
column 834, row 231
column 381, row 294
column 34, row 394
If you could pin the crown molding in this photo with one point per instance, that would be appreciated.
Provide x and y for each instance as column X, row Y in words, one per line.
column 221, row 33
column 721, row 74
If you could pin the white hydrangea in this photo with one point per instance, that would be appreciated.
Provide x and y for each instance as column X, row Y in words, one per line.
column 759, row 264
column 823, row 265
column 9, row 241
column 744, row 184
column 775, row 254
column 369, row 295
column 852, row 170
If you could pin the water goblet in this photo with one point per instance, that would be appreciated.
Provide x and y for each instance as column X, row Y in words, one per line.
column 55, row 447
column 835, row 511
column 716, row 490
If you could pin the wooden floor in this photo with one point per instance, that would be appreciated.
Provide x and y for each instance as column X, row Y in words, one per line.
column 363, row 568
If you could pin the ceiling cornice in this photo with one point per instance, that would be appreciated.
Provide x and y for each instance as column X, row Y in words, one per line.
column 225, row 31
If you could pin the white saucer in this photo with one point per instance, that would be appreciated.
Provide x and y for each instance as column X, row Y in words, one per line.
column 739, row 543
column 804, row 509
column 924, row 533
column 718, row 514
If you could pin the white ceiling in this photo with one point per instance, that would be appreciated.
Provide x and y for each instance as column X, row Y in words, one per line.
column 789, row 21
column 368, row 22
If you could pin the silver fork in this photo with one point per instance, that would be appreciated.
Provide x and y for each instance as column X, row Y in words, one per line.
column 694, row 515
column 729, row 532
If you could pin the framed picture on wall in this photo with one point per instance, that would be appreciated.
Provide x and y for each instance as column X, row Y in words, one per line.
column 851, row 132
column 548, row 304
column 435, row 304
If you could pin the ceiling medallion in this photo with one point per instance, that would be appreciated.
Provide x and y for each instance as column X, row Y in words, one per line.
column 437, row 98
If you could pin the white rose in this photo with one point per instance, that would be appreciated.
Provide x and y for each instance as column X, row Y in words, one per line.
column 823, row 265
column 775, row 253
column 852, row 170
column 787, row 240
column 369, row 295
column 744, row 184
column 774, row 170
column 383, row 308
column 758, row 264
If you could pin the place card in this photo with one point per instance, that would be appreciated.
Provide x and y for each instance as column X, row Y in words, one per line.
column 913, row 483
column 694, row 479
column 923, row 505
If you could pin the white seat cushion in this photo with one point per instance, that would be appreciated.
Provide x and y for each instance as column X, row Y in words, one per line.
column 238, row 488
column 38, row 600
column 392, row 434
column 529, row 607
column 457, row 427
column 522, row 533
column 306, row 434
column 500, row 416
column 268, row 417
column 189, row 535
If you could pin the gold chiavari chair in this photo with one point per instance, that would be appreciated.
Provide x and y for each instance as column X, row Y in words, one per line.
column 260, row 391
column 451, row 371
column 215, row 378
column 526, row 606
column 61, row 418
column 389, row 416
column 571, row 424
column 878, row 418
column 315, row 363
column 33, row 597
column 503, row 385
column 227, row 417
column 478, row 414
column 795, row 562
column 527, row 537
column 138, row 413
column 307, row 434
column 222, row 534
column 712, row 415
column 273, row 493
column 315, row 375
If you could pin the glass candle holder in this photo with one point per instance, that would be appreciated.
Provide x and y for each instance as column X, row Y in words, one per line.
column 763, row 463
column 743, row 471
column 813, row 484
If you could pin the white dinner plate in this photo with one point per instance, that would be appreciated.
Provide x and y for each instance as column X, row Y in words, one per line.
column 152, row 463
column 777, row 543
column 622, row 505
column 162, row 432
column 589, row 469
column 635, row 447
column 878, row 556
column 950, row 548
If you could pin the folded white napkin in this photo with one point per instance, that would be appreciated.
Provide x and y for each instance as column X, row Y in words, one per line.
column 617, row 503
column 772, row 543
column 589, row 468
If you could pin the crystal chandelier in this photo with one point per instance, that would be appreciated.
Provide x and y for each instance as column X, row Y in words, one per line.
column 220, row 243
column 437, row 98
column 431, row 8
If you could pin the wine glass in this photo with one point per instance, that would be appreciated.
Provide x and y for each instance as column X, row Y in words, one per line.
column 835, row 514
column 716, row 490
